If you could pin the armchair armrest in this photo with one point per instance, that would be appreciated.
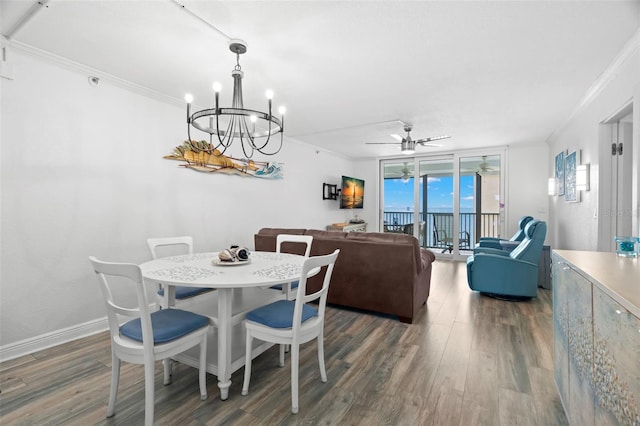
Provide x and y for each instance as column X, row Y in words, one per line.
column 490, row 239
column 490, row 250
column 508, row 246
column 490, row 242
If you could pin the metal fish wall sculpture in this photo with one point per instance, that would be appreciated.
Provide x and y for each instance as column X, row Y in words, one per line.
column 202, row 157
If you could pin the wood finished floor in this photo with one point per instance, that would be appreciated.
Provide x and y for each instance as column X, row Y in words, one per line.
column 467, row 360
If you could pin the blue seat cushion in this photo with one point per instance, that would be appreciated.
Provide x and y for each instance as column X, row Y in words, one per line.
column 186, row 292
column 280, row 314
column 167, row 324
column 294, row 285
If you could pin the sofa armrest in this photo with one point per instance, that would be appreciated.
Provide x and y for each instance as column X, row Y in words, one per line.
column 426, row 258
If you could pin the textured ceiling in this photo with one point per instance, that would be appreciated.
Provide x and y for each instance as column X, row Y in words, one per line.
column 487, row 73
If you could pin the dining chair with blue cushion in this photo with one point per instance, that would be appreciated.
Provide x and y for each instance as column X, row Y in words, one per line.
column 512, row 275
column 292, row 322
column 147, row 336
column 494, row 242
column 186, row 244
column 281, row 239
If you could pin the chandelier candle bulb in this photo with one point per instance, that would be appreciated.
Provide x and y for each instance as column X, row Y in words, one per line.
column 253, row 120
column 282, row 110
column 189, row 98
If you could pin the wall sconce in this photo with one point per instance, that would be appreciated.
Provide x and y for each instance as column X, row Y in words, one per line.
column 582, row 177
column 551, row 186
column 330, row 192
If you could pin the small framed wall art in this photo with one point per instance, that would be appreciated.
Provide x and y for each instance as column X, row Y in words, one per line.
column 571, row 193
column 559, row 175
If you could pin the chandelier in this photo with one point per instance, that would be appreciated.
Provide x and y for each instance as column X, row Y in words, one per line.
column 252, row 128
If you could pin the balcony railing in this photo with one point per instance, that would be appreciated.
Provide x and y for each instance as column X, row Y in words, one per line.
column 436, row 229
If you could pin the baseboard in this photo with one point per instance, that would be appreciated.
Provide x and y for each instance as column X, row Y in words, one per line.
column 54, row 338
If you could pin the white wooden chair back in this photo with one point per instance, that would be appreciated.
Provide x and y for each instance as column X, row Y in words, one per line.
column 114, row 310
column 310, row 265
column 288, row 238
column 154, row 243
column 289, row 289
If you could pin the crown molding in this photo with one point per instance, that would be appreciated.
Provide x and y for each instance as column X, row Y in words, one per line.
column 608, row 75
column 92, row 72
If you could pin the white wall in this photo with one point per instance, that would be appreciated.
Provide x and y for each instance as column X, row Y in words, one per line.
column 527, row 177
column 83, row 174
column 575, row 225
column 368, row 170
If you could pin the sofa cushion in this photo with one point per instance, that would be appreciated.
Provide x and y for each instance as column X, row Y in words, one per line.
column 333, row 235
column 381, row 237
column 278, row 231
column 390, row 238
column 265, row 240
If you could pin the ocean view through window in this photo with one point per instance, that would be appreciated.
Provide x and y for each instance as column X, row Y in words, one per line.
column 432, row 200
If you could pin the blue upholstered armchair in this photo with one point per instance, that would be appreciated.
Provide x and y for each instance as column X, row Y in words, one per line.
column 518, row 236
column 510, row 274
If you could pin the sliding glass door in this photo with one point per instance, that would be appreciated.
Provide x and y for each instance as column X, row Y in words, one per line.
column 481, row 205
column 397, row 184
column 454, row 200
column 436, row 195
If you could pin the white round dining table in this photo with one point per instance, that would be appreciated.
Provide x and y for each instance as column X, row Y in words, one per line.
column 240, row 287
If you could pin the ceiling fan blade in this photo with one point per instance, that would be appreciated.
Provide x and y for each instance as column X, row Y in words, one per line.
column 381, row 143
column 397, row 137
column 431, row 139
column 437, row 145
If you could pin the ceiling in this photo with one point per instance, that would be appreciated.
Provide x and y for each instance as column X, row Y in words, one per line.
column 488, row 73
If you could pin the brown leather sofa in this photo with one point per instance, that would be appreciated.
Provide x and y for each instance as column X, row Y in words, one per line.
column 379, row 272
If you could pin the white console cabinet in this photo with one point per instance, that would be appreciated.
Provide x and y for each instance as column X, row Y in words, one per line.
column 596, row 321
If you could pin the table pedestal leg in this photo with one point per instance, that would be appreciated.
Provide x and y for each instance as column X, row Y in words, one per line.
column 225, row 299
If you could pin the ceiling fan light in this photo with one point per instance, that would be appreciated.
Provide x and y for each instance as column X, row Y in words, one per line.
column 408, row 147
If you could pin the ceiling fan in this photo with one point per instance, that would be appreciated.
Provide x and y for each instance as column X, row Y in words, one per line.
column 405, row 173
column 484, row 168
column 408, row 145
